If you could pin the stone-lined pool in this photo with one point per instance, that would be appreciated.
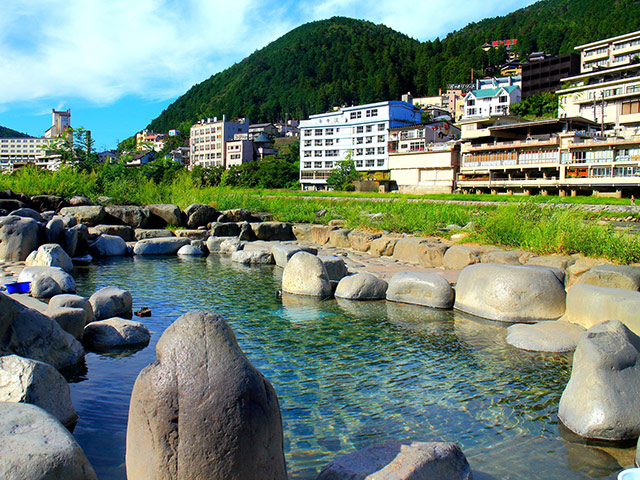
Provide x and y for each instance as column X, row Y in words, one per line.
column 347, row 374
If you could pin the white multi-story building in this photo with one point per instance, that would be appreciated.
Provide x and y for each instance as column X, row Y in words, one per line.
column 209, row 137
column 361, row 131
column 610, row 52
column 492, row 96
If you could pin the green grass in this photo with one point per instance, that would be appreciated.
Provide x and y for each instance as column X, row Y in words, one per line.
column 522, row 223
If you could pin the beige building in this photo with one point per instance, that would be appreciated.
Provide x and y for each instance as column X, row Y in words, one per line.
column 209, row 137
column 610, row 52
column 60, row 122
column 239, row 152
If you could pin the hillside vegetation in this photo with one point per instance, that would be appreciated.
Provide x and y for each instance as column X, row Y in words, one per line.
column 342, row 61
column 9, row 133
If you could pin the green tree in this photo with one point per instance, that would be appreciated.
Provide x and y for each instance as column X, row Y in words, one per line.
column 343, row 175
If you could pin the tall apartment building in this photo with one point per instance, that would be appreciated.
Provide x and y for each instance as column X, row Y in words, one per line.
column 360, row 131
column 209, row 137
column 60, row 122
column 545, row 73
column 610, row 52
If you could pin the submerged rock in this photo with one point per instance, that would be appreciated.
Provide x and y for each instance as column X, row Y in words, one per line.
column 115, row 332
column 554, row 336
column 252, row 257
column 160, row 246
column 204, row 401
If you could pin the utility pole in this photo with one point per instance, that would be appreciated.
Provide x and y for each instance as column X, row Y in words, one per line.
column 602, row 114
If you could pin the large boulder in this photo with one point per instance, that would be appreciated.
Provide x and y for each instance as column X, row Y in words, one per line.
column 110, row 302
column 601, row 399
column 282, row 252
column 29, row 381
column 302, row 232
column 417, row 288
column 273, row 231
column 50, row 255
column 65, row 281
column 31, row 334
column 115, row 333
column 28, row 213
column 87, row 215
column 459, row 256
column 204, row 402
column 335, row 267
column 190, row 251
column 44, row 287
column 73, row 301
column 428, row 252
column 339, row 238
column 555, row 336
column 252, row 257
column 199, row 215
column 613, row 276
column 46, row 203
column 108, row 246
column 132, row 215
column 125, row 232
column 54, row 230
column 305, row 274
column 383, row 246
column 163, row 214
column 76, row 240
column 361, row 286
column 34, row 445
column 160, row 246
column 361, row 240
column 143, row 233
column 239, row 215
column 511, row 293
column 588, row 305
column 18, row 238
column 224, row 229
column 401, row 460
column 71, row 319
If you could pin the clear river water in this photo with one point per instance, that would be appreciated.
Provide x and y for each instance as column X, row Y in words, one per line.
column 347, row 374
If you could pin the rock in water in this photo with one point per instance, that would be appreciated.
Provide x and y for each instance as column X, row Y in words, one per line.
column 50, row 255
column 601, row 399
column 305, row 274
column 361, row 286
column 35, row 446
column 104, row 335
column 109, row 302
column 426, row 289
column 202, row 410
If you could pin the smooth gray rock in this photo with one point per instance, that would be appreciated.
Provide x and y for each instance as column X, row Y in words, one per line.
column 34, row 445
column 50, row 255
column 25, row 380
column 18, row 238
column 87, row 215
column 335, row 266
column 203, row 400
column 613, row 276
column 227, row 229
column 190, row 251
column 142, row 233
column 113, row 333
column 588, row 305
column 229, row 245
column 252, row 257
column 401, row 460
column 361, row 286
column 511, row 293
column 132, row 215
column 459, row 256
column 246, row 232
column 63, row 279
column 31, row 334
column 73, row 301
column 166, row 214
column 28, row 213
column 554, row 336
column 160, row 246
column 54, row 230
column 69, row 221
column 239, row 215
column 110, row 302
column 273, row 231
column 339, row 238
column 125, row 232
column 44, row 287
column 503, row 257
column 561, row 262
column 417, row 288
column 305, row 274
column 108, row 246
column 283, row 252
column 72, row 320
column 213, row 244
column 79, row 201
column 601, row 399
column 199, row 215
column 47, row 203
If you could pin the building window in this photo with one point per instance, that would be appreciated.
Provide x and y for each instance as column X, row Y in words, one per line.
column 380, row 150
column 329, row 141
column 370, row 163
column 307, row 143
column 331, row 153
column 318, row 131
column 307, row 165
column 503, row 99
column 359, row 140
column 358, row 163
column 369, row 128
column 359, row 151
column 318, row 153
column 370, row 151
column 328, row 164
column 381, row 127
column 355, row 115
column 381, row 138
column 372, row 113
column 317, row 164
column 318, row 143
column 307, row 133
column 381, row 162
column 471, row 111
column 328, row 131
column 369, row 140
column 629, row 108
column 471, row 102
column 359, row 129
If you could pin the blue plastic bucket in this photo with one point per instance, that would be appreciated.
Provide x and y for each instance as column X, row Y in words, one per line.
column 629, row 474
column 18, row 287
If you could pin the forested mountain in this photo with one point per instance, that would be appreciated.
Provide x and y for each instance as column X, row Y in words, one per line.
column 345, row 61
column 8, row 133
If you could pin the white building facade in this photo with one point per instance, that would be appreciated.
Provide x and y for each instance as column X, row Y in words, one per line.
column 361, row 131
column 209, row 137
column 610, row 52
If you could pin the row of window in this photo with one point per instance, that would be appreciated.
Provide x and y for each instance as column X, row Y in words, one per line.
column 330, row 131
column 597, row 51
column 631, row 43
column 20, row 140
column 368, row 114
column 370, row 163
column 335, row 153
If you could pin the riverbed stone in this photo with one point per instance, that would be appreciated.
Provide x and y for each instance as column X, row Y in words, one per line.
column 613, row 276
column 163, row 214
column 361, row 240
column 131, row 215
column 115, row 332
column 503, row 257
column 418, row 288
column 142, row 233
column 428, row 252
column 88, row 215
column 160, row 246
column 190, row 251
column 25, row 380
column 239, row 215
column 18, row 238
column 561, row 262
column 125, row 232
column 305, row 274
column 50, row 255
column 63, row 279
column 601, row 399
column 459, row 256
column 71, row 319
column 73, row 301
column 35, row 445
column 302, row 232
column 226, row 229
column 54, row 230
column 335, row 266
column 361, row 286
column 109, row 302
column 320, row 233
column 44, row 287
column 108, row 246
column 76, row 240
column 589, row 304
column 252, row 257
column 383, row 246
column 511, row 293
column 28, row 213
column 282, row 252
column 192, row 234
column 203, row 400
column 401, row 460
column 339, row 238
column 280, row 231
column 31, row 334
column 555, row 336
column 79, row 201
column 581, row 266
column 199, row 215
column 46, row 203
column 246, row 232
column 229, row 245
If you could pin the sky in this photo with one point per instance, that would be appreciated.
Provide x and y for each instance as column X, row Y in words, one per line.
column 117, row 64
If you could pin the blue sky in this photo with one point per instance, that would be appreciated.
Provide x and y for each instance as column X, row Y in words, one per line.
column 118, row 63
